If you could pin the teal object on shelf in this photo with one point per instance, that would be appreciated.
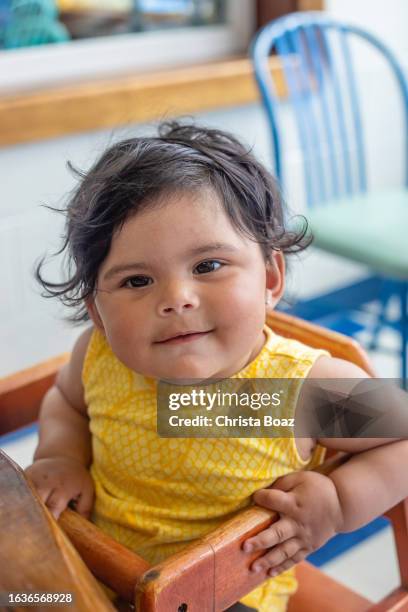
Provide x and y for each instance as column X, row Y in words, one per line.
column 5, row 16
column 23, row 9
column 5, row 12
column 34, row 31
column 31, row 23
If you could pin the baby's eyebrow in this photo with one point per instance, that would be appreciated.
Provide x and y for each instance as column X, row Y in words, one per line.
column 141, row 265
column 213, row 246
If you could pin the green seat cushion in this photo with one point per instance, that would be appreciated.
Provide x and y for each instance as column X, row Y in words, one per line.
column 371, row 229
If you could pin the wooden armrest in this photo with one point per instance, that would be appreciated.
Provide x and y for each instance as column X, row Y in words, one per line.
column 207, row 575
column 190, row 573
column 212, row 573
column 113, row 564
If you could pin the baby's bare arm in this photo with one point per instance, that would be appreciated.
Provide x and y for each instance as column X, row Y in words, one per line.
column 63, row 430
column 374, row 479
column 64, row 452
column 313, row 507
column 370, row 483
column 63, row 421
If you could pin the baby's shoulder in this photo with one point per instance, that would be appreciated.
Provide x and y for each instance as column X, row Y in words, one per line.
column 332, row 367
column 69, row 378
column 80, row 349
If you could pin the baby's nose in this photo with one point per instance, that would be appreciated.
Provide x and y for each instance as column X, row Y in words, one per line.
column 177, row 299
column 178, row 308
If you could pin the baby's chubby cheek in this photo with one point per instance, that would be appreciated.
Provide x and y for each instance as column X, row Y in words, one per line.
column 247, row 303
column 244, row 316
column 128, row 344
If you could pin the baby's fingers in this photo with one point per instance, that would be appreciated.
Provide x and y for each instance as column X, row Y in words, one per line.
column 42, row 491
column 84, row 503
column 56, row 502
column 282, row 530
column 297, row 558
column 275, row 499
column 278, row 557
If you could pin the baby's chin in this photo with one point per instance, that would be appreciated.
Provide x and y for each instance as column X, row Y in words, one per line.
column 187, row 374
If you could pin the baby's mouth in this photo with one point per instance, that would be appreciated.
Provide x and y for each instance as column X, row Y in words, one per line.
column 183, row 337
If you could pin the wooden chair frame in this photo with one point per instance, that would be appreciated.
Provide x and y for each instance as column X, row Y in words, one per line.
column 208, row 575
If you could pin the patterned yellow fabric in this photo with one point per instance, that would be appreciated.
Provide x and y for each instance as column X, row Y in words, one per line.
column 154, row 495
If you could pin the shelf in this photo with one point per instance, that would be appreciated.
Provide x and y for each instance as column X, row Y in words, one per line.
column 83, row 107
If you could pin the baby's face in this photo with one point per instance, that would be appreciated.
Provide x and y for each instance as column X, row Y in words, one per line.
column 181, row 294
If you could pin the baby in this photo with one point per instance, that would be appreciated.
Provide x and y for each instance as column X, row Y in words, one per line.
column 176, row 245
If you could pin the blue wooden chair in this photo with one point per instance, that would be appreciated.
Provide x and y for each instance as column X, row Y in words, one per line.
column 346, row 218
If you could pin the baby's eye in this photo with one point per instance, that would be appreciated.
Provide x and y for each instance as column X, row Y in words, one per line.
column 137, row 281
column 208, row 266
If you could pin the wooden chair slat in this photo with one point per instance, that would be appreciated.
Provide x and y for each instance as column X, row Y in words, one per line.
column 313, row 335
column 399, row 519
column 318, row 592
column 21, row 393
column 397, row 601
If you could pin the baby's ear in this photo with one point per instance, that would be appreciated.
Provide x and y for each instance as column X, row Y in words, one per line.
column 94, row 314
column 275, row 277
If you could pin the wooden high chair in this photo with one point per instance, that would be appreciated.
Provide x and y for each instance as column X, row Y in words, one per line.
column 208, row 575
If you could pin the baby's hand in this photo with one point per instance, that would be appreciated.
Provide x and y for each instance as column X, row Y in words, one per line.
column 59, row 480
column 310, row 514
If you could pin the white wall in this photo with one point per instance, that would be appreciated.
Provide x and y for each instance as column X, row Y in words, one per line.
column 31, row 328
column 388, row 19
column 382, row 109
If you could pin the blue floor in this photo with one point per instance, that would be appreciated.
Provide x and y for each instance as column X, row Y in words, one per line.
column 344, row 541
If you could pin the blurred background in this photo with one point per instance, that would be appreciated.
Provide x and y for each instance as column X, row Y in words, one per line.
column 76, row 75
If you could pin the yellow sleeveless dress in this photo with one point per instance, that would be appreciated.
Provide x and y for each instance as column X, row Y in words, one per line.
column 155, row 495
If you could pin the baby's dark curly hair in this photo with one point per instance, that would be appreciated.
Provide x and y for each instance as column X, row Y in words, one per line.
column 131, row 176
